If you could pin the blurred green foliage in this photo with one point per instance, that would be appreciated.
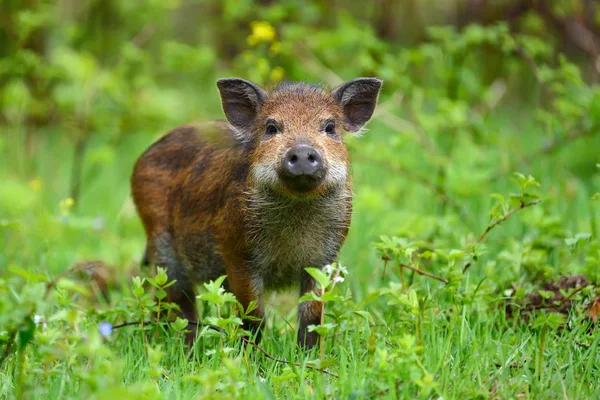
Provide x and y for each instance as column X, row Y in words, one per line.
column 473, row 91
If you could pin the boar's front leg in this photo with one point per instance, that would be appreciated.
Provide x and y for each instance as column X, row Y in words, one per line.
column 309, row 313
column 184, row 295
column 246, row 289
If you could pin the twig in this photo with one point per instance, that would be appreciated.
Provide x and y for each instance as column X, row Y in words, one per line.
column 424, row 273
column 250, row 342
column 385, row 261
column 573, row 293
column 557, row 306
column 505, row 217
column 124, row 324
column 498, row 222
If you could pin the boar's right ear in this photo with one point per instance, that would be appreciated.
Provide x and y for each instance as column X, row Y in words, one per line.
column 358, row 98
column 241, row 101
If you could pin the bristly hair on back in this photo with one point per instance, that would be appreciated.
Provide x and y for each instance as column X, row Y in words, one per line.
column 299, row 87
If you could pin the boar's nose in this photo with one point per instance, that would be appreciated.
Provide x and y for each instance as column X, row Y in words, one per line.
column 302, row 159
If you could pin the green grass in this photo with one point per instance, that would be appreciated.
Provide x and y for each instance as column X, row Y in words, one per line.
column 464, row 345
column 460, row 112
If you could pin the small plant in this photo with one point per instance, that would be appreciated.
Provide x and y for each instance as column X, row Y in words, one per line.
column 160, row 283
column 327, row 279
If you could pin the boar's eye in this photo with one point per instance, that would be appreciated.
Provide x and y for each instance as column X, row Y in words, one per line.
column 330, row 129
column 272, row 129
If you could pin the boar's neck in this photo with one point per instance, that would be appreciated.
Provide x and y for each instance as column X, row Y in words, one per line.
column 286, row 235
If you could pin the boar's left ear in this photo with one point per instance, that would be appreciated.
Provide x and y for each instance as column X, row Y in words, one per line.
column 241, row 101
column 358, row 98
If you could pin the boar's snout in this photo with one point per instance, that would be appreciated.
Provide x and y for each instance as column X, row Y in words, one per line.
column 302, row 159
column 302, row 168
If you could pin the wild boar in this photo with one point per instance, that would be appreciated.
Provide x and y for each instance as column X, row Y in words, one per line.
column 274, row 199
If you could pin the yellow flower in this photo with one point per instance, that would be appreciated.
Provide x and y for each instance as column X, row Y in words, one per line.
column 277, row 74
column 65, row 205
column 262, row 31
column 35, row 184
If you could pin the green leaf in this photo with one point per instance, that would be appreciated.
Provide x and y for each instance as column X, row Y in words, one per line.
column 332, row 296
column 152, row 282
column 160, row 294
column 309, row 296
column 365, row 314
column 170, row 283
column 319, row 276
column 180, row 324
column 407, row 341
column 215, row 286
column 322, row 329
column 456, row 254
column 161, row 276
column 212, row 298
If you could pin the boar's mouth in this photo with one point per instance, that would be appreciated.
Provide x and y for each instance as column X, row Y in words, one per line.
column 302, row 183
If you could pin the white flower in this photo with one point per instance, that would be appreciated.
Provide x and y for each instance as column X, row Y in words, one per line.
column 338, row 279
column 328, row 269
column 38, row 319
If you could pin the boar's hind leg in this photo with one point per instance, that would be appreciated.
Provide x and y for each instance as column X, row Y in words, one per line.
column 182, row 293
column 309, row 313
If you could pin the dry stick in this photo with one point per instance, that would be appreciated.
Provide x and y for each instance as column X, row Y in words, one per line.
column 424, row 273
column 498, row 222
column 385, row 261
column 286, row 361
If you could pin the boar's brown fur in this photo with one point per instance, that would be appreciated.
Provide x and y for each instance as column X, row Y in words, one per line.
column 258, row 198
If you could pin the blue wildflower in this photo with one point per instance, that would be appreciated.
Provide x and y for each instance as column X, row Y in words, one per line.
column 105, row 328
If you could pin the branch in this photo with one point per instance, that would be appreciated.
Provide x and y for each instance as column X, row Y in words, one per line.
column 498, row 222
column 250, row 342
column 424, row 273
column 505, row 217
